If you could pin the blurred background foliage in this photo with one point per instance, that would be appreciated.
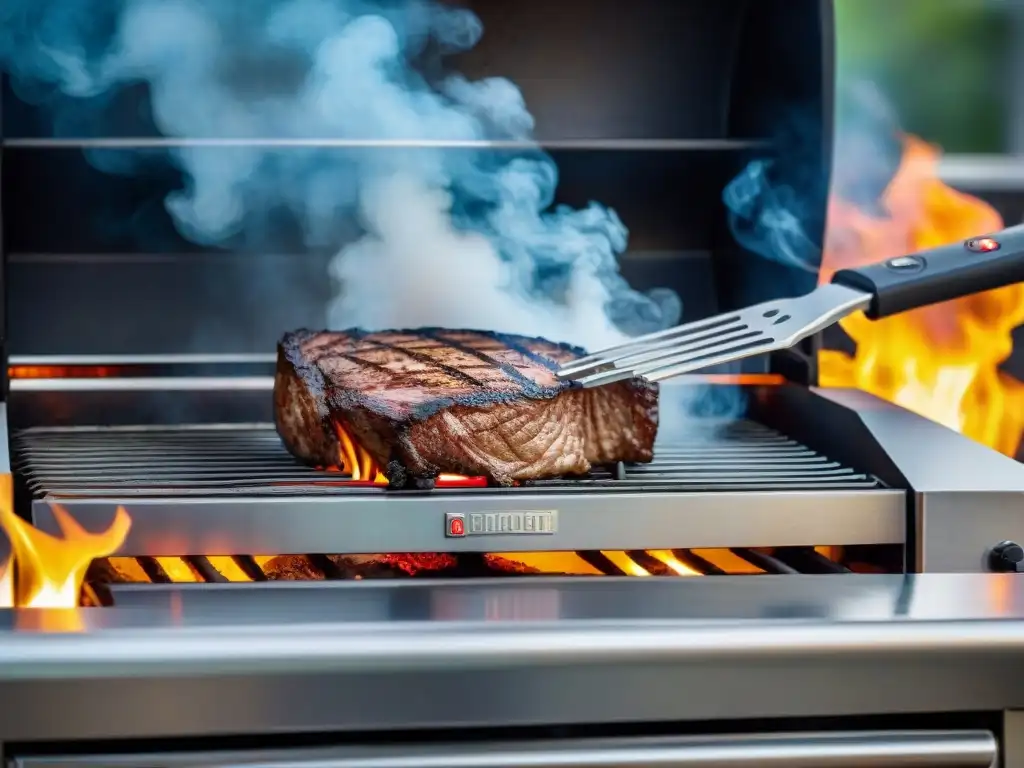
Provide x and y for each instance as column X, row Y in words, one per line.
column 945, row 65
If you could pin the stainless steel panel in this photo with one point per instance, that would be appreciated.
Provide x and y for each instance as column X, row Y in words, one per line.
column 965, row 496
column 927, row 749
column 827, row 598
column 5, row 454
column 233, row 489
column 587, row 520
column 1013, row 739
column 551, row 651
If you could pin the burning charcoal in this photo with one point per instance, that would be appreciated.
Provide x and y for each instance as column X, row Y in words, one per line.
column 423, row 561
column 364, row 567
column 505, row 565
column 394, row 565
column 291, row 568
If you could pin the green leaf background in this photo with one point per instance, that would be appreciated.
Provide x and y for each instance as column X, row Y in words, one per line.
column 943, row 64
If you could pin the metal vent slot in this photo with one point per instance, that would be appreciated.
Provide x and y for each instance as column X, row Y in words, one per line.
column 226, row 460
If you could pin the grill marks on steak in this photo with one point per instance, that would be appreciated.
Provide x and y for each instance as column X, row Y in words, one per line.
column 432, row 400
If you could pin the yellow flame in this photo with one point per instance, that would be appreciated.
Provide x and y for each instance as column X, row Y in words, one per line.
column 7, row 585
column 626, row 564
column 354, row 459
column 941, row 362
column 44, row 571
column 673, row 562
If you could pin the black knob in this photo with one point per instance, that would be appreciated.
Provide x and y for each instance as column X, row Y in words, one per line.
column 1006, row 557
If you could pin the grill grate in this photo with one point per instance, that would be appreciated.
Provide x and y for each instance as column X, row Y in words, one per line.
column 227, row 460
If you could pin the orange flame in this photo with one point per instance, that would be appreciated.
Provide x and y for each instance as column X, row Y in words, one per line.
column 62, row 371
column 44, row 571
column 941, row 362
column 359, row 464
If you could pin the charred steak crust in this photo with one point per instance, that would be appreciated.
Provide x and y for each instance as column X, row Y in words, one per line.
column 430, row 400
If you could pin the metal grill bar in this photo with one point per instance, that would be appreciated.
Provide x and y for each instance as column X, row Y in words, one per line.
column 698, row 563
column 806, row 560
column 250, row 567
column 766, row 563
column 601, row 562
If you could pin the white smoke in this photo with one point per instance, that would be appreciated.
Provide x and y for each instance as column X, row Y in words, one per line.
column 417, row 269
column 449, row 236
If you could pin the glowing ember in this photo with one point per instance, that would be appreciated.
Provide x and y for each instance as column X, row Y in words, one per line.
column 62, row 372
column 44, row 571
column 941, row 362
column 360, row 466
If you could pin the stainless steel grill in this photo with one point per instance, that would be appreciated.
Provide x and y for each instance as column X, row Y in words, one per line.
column 233, row 489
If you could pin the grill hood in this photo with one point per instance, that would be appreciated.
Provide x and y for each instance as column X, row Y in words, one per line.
column 648, row 107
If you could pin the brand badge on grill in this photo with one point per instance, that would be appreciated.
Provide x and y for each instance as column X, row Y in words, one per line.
column 534, row 522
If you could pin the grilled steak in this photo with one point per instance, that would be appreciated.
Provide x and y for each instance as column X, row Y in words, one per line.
column 426, row 401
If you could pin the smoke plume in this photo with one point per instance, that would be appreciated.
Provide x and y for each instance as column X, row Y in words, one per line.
column 446, row 236
column 768, row 205
column 766, row 217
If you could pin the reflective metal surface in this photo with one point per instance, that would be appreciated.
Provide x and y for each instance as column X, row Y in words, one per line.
column 1013, row 739
column 949, row 749
column 623, row 603
column 5, row 454
column 727, row 338
column 966, row 497
column 546, row 651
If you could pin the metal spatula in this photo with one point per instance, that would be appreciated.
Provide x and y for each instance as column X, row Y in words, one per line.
column 883, row 289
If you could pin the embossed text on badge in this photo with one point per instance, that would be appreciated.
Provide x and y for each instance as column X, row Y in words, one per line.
column 534, row 522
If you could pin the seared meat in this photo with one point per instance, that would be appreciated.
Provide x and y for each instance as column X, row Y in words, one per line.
column 426, row 401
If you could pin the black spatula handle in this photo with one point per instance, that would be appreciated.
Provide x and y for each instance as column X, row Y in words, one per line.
column 941, row 274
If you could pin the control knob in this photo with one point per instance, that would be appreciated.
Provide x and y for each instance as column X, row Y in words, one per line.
column 1006, row 557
